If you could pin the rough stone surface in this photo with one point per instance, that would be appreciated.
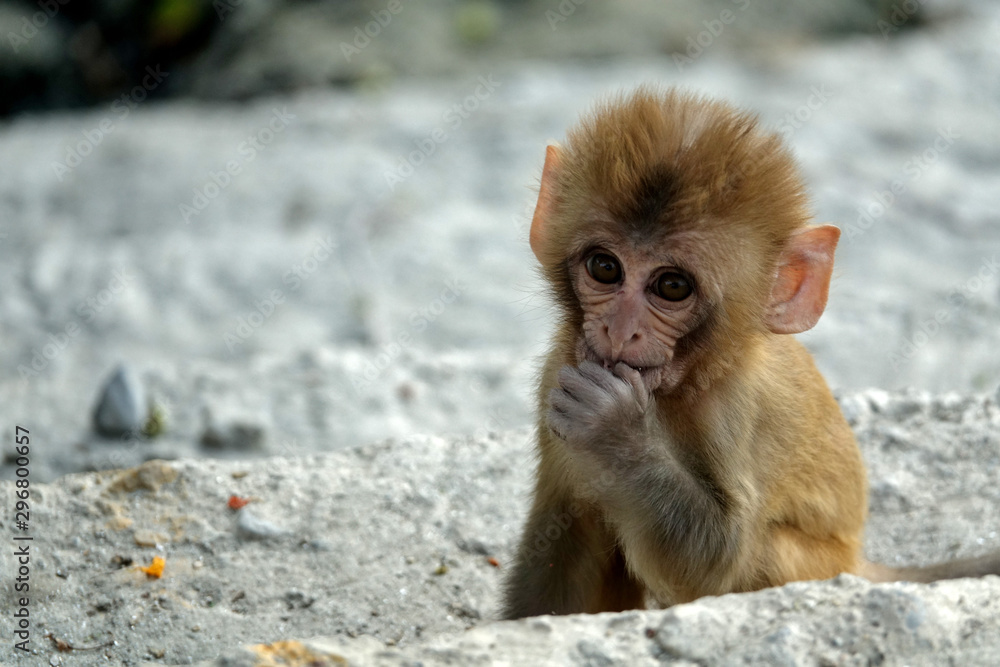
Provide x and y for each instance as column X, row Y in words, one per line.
column 845, row 621
column 386, row 549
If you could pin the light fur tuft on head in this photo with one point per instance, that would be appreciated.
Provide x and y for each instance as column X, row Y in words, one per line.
column 661, row 160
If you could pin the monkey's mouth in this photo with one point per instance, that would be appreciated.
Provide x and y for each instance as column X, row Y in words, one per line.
column 652, row 376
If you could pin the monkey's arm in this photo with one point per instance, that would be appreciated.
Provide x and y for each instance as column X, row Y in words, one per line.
column 568, row 560
column 682, row 528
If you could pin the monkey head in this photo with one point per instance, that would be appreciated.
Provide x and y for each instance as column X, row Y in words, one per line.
column 652, row 227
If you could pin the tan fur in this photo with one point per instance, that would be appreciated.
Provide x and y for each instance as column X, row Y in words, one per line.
column 759, row 480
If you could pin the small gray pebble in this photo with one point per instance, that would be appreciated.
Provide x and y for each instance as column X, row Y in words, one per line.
column 234, row 435
column 122, row 408
column 474, row 546
column 253, row 527
column 320, row 545
column 243, row 658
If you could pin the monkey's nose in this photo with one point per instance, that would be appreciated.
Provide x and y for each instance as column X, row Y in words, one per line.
column 621, row 337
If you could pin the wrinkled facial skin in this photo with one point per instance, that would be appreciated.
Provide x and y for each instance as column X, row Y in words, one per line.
column 636, row 306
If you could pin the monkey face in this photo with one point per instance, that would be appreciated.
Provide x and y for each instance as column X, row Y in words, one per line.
column 637, row 304
column 652, row 226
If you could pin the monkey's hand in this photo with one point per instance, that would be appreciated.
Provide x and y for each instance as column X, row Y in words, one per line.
column 600, row 411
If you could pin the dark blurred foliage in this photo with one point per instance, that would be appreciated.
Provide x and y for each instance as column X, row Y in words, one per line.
column 95, row 50
column 76, row 53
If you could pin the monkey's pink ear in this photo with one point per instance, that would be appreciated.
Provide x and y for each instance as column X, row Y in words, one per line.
column 540, row 228
column 802, row 281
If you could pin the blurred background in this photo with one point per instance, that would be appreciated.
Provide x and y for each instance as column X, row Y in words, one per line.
column 302, row 226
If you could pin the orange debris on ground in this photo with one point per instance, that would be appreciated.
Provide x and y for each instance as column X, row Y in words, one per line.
column 292, row 654
column 155, row 569
column 236, row 502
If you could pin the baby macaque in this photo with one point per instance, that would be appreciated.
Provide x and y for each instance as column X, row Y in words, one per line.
column 688, row 445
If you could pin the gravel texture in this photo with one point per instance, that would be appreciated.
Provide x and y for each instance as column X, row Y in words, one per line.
column 391, row 544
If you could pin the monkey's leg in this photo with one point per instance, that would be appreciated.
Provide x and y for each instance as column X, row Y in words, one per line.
column 798, row 556
column 568, row 562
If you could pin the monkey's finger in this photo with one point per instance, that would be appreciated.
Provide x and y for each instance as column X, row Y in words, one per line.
column 596, row 372
column 583, row 385
column 602, row 377
column 560, row 423
column 563, row 403
column 629, row 374
column 634, row 378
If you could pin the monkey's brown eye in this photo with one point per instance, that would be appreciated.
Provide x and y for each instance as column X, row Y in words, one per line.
column 604, row 268
column 673, row 287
